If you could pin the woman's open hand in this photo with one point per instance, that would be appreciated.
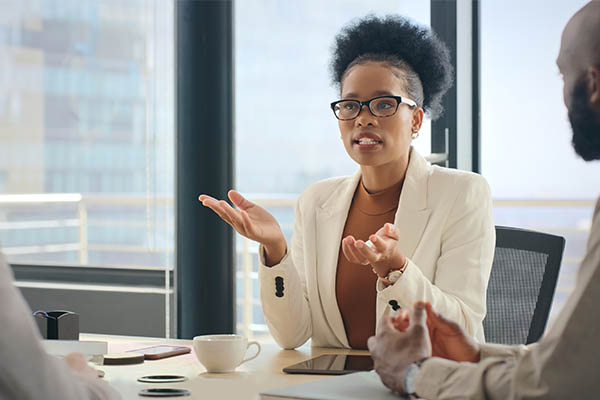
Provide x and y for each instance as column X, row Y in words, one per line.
column 251, row 221
column 382, row 255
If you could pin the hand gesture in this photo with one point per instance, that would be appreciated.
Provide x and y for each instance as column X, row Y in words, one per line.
column 382, row 255
column 251, row 221
column 449, row 340
column 78, row 363
column 393, row 351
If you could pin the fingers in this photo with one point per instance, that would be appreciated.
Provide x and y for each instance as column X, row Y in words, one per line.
column 432, row 317
column 204, row 198
column 78, row 363
column 233, row 215
column 437, row 319
column 238, row 219
column 392, row 231
column 378, row 243
column 239, row 200
column 418, row 315
column 385, row 326
column 371, row 343
column 214, row 205
column 350, row 251
column 402, row 320
column 346, row 249
column 365, row 252
column 247, row 223
column 225, row 211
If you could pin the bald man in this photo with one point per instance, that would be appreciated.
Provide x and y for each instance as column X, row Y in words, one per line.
column 420, row 352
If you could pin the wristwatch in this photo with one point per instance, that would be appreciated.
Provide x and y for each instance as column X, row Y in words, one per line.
column 410, row 377
column 395, row 274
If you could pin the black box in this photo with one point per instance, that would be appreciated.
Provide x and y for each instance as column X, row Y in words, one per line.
column 61, row 325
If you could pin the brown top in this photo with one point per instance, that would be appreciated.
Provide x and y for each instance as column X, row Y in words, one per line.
column 355, row 284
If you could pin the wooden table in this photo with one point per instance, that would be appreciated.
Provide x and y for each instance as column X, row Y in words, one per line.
column 251, row 378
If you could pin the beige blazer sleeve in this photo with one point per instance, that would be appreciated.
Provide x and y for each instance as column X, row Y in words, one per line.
column 563, row 364
column 283, row 292
column 26, row 370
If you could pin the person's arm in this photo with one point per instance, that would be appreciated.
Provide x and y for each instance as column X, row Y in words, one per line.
column 459, row 288
column 281, row 271
column 563, row 364
column 26, row 370
column 283, row 292
column 555, row 368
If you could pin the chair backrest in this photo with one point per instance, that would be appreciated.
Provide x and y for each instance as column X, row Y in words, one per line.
column 522, row 283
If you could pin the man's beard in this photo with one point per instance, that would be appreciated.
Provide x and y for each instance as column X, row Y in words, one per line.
column 585, row 124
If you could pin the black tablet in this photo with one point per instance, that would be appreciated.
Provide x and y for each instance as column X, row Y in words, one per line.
column 332, row 364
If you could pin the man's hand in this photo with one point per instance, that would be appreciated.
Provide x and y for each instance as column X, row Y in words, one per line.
column 393, row 351
column 77, row 363
column 448, row 339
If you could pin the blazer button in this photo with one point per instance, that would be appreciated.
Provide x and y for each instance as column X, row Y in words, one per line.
column 279, row 284
column 394, row 305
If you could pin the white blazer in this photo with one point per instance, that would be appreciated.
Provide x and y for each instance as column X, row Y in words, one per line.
column 445, row 222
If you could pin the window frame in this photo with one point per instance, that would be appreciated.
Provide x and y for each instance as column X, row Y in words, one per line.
column 205, row 264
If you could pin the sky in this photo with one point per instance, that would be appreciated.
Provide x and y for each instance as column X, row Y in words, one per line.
column 287, row 137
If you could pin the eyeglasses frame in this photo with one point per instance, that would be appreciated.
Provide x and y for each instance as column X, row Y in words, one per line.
column 411, row 103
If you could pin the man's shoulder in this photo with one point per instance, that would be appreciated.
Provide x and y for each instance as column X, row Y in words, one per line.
column 594, row 238
column 597, row 210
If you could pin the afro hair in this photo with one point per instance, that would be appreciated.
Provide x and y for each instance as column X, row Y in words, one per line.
column 396, row 38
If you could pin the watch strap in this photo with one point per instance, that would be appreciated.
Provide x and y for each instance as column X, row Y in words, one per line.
column 401, row 270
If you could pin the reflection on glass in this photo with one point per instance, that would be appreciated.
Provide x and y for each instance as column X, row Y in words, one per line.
column 333, row 364
column 537, row 180
column 86, row 117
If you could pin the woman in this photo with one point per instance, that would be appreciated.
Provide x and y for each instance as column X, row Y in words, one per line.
column 411, row 231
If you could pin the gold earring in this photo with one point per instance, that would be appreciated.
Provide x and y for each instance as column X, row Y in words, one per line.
column 415, row 134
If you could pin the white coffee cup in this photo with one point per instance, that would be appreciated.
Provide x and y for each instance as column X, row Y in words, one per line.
column 223, row 353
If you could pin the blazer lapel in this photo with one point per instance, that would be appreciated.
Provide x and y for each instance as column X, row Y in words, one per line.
column 412, row 214
column 331, row 218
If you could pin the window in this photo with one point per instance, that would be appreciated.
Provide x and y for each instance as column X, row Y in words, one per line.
column 283, row 51
column 537, row 180
column 86, row 132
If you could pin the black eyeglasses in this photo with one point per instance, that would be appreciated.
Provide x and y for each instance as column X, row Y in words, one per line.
column 381, row 106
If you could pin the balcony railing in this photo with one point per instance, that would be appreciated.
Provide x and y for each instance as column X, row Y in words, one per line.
column 574, row 222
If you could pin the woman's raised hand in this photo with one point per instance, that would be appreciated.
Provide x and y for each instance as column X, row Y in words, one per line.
column 251, row 221
column 383, row 255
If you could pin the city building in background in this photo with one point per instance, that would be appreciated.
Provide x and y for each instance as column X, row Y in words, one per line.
column 86, row 132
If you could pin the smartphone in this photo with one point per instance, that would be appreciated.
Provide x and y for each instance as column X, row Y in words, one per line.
column 161, row 351
column 332, row 364
column 164, row 392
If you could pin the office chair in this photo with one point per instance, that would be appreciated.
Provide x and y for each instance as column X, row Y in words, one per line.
column 522, row 283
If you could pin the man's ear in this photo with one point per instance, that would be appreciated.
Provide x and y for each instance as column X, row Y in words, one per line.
column 594, row 85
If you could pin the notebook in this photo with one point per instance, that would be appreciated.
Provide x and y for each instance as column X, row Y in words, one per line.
column 360, row 385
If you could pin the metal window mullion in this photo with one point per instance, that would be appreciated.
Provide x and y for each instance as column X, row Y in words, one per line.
column 205, row 269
